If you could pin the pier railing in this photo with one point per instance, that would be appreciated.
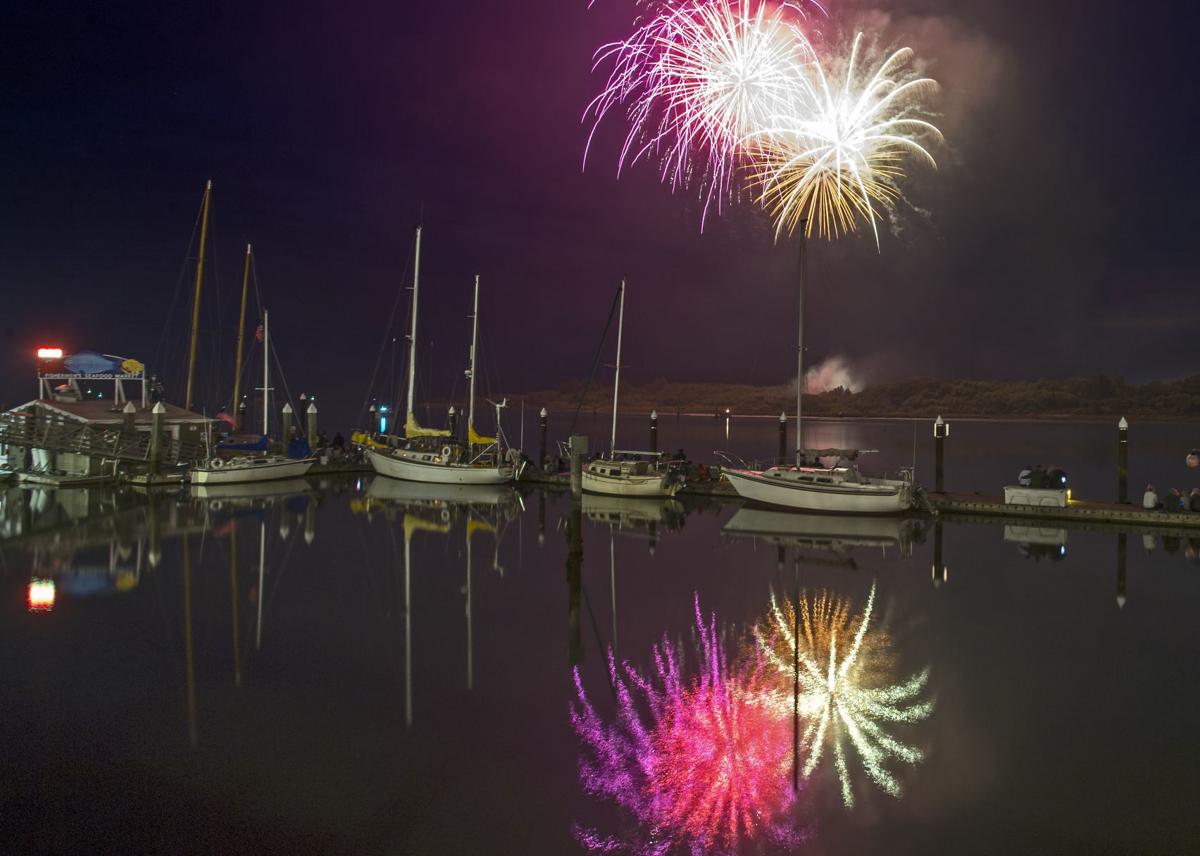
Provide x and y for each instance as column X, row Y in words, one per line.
column 112, row 443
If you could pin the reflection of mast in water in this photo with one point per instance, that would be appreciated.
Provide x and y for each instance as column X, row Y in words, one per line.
column 612, row 581
column 262, row 564
column 574, row 581
column 470, row 643
column 412, row 523
column 233, row 590
column 187, row 643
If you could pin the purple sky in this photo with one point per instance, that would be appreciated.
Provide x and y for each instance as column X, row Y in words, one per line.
column 1054, row 242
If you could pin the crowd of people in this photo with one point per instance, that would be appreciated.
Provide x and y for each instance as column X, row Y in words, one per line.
column 1174, row 500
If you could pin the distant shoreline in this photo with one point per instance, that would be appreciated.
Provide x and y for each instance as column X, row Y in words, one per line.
column 1089, row 399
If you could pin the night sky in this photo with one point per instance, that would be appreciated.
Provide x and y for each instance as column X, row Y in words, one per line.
column 1054, row 240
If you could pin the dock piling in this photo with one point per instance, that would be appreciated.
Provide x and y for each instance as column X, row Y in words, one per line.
column 127, row 416
column 156, row 436
column 241, row 416
column 579, row 450
column 285, row 431
column 374, row 417
column 542, row 438
column 783, row 455
column 311, row 426
column 653, row 430
column 1122, row 461
column 941, row 430
column 452, row 421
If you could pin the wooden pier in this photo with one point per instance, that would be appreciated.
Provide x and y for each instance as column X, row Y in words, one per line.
column 1077, row 511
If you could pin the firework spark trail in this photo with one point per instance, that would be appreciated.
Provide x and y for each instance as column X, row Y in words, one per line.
column 836, row 155
column 701, row 762
column 696, row 81
column 846, row 695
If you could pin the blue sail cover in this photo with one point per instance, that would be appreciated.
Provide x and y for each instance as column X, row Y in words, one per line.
column 298, row 448
column 90, row 363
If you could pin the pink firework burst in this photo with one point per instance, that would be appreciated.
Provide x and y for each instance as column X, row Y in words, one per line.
column 702, row 762
column 695, row 81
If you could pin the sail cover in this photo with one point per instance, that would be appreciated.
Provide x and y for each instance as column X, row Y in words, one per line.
column 412, row 429
column 477, row 440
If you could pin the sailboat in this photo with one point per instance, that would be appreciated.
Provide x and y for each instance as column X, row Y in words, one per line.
column 837, row 488
column 432, row 455
column 254, row 468
column 625, row 473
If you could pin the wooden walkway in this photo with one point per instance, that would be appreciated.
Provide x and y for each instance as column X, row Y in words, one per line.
column 1077, row 511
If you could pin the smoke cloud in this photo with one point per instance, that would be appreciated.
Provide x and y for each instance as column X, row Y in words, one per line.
column 831, row 374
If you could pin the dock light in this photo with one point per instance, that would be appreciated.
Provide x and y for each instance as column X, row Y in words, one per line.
column 41, row 595
column 49, row 353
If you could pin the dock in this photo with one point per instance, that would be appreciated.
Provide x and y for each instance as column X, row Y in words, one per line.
column 1077, row 511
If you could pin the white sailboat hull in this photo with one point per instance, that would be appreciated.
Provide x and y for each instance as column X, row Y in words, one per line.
column 436, row 472
column 872, row 496
column 654, row 484
column 267, row 471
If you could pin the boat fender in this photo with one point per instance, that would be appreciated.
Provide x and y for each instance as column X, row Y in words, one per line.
column 445, row 515
column 446, row 452
column 216, row 463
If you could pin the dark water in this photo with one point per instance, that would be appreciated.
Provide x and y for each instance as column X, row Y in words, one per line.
column 342, row 699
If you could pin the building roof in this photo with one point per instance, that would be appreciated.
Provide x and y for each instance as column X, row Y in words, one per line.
column 106, row 412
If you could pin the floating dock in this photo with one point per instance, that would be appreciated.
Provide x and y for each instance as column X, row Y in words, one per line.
column 1077, row 511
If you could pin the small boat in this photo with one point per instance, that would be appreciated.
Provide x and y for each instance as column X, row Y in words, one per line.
column 254, row 468
column 840, row 488
column 432, row 455
column 837, row 489
column 625, row 473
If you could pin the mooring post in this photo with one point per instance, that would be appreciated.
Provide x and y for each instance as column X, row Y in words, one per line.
column 128, row 414
column 157, row 415
column 373, row 416
column 542, row 438
column 1121, row 568
column 1122, row 461
column 579, row 448
column 452, row 421
column 311, row 413
column 241, row 416
column 285, row 430
column 653, row 430
column 783, row 455
column 941, row 430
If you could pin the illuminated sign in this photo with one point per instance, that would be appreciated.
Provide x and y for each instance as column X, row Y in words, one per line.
column 50, row 353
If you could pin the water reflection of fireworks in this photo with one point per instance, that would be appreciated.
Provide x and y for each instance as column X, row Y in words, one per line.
column 701, row 762
column 847, row 696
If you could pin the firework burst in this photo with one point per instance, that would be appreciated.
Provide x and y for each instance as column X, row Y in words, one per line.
column 847, row 695
column 696, row 81
column 701, row 762
column 836, row 154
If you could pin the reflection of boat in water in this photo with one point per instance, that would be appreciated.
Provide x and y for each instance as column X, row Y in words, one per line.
column 1037, row 542
column 251, row 490
column 633, row 511
column 435, row 494
column 824, row 531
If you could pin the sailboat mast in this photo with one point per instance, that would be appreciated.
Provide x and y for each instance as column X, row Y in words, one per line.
column 267, row 375
column 612, row 448
column 800, row 347
column 412, row 333
column 241, row 336
column 191, row 372
column 474, row 339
